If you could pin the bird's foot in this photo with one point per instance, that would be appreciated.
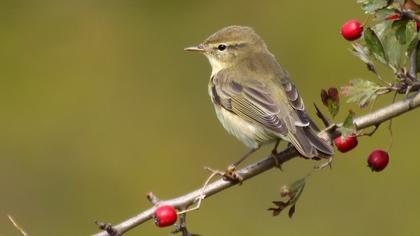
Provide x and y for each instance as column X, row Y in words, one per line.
column 277, row 164
column 328, row 163
column 231, row 175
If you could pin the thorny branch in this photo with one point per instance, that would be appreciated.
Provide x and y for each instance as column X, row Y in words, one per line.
column 371, row 119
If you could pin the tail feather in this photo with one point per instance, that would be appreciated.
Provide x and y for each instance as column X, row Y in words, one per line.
column 308, row 144
column 302, row 143
column 320, row 144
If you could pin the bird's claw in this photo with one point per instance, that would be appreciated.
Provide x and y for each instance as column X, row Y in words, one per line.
column 328, row 163
column 231, row 175
column 276, row 162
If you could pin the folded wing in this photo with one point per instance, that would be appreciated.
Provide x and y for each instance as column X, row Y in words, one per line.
column 256, row 103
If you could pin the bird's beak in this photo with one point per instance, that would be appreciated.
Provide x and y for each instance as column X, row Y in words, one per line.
column 198, row 48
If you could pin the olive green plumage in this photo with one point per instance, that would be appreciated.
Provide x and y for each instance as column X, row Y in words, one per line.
column 253, row 97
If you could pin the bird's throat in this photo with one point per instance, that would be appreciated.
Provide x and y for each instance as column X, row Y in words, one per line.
column 216, row 65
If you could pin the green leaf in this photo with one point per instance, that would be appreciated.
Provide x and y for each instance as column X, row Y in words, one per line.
column 370, row 6
column 280, row 206
column 348, row 122
column 393, row 51
column 412, row 39
column 406, row 30
column 363, row 54
column 400, row 31
column 374, row 44
column 382, row 28
column 361, row 91
column 396, row 39
column 383, row 13
column 411, row 33
column 347, row 128
column 292, row 211
column 411, row 46
column 296, row 186
column 333, row 107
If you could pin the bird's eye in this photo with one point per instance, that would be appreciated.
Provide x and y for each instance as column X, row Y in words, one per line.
column 221, row 47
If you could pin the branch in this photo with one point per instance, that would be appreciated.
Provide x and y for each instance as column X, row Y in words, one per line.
column 372, row 119
column 409, row 14
column 386, row 113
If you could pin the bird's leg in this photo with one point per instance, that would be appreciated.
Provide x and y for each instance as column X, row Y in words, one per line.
column 244, row 157
column 328, row 163
column 231, row 174
column 274, row 153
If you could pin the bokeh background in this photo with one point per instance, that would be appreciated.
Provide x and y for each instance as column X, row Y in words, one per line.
column 99, row 104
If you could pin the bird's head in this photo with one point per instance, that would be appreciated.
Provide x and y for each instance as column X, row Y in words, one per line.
column 229, row 45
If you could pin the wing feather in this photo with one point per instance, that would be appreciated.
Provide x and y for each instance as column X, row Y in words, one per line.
column 256, row 103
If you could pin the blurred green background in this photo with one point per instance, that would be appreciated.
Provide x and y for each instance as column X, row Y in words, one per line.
column 100, row 104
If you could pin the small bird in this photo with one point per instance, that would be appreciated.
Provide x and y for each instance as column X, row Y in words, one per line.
column 253, row 97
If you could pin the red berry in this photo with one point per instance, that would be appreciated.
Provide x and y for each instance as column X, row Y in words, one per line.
column 347, row 144
column 418, row 25
column 378, row 160
column 165, row 216
column 393, row 17
column 352, row 30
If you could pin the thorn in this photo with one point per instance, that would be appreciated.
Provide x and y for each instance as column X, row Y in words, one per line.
column 321, row 116
column 107, row 227
column 152, row 198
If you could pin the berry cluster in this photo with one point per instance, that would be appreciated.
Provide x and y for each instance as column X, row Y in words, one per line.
column 353, row 29
column 377, row 160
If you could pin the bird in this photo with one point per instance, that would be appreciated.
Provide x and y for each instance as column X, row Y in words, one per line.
column 253, row 96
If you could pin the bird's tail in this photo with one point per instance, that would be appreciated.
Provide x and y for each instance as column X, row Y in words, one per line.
column 309, row 144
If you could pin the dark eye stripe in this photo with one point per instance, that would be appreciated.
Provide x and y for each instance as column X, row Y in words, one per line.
column 222, row 47
column 238, row 45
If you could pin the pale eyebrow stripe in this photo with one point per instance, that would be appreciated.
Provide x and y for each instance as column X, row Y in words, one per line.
column 229, row 44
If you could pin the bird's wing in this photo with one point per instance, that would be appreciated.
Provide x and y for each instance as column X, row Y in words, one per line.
column 251, row 102
column 256, row 103
column 306, row 130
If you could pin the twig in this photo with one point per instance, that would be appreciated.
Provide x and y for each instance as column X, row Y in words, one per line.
column 152, row 198
column 375, row 118
column 15, row 224
column 370, row 133
column 182, row 227
column 202, row 196
column 381, row 115
column 327, row 122
column 108, row 228
column 211, row 189
column 409, row 14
